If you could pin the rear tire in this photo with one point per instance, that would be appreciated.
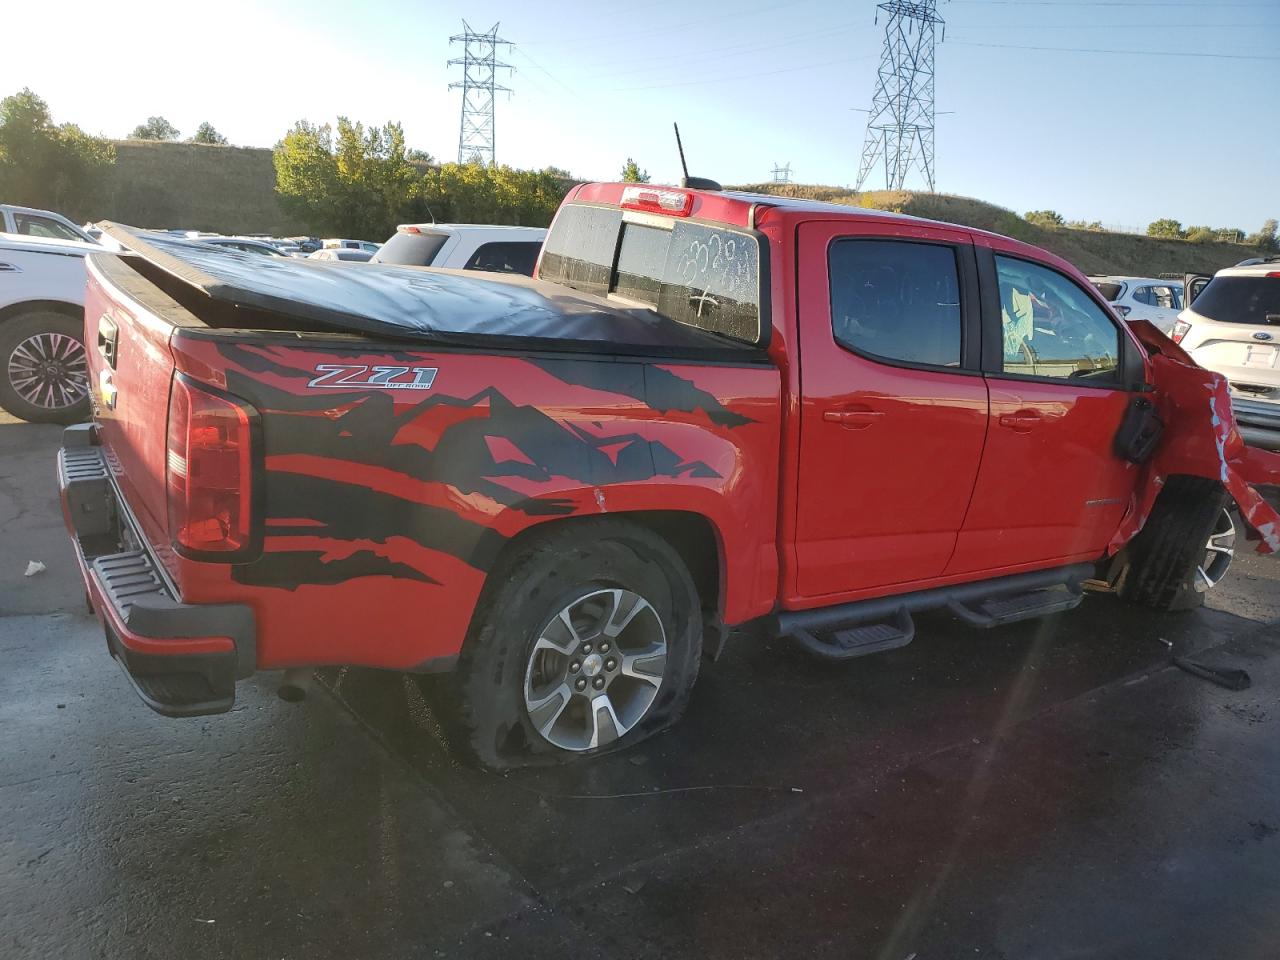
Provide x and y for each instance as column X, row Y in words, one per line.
column 1165, row 555
column 43, row 373
column 526, row 681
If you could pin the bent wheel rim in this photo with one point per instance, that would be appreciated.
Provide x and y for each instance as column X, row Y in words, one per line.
column 48, row 370
column 1219, row 552
column 595, row 669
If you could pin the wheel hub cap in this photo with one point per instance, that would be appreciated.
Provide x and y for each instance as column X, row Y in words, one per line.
column 595, row 669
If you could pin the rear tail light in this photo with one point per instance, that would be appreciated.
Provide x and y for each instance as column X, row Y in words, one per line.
column 675, row 203
column 210, row 472
column 1180, row 328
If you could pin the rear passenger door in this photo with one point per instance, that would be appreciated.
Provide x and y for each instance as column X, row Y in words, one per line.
column 1051, row 488
column 894, row 405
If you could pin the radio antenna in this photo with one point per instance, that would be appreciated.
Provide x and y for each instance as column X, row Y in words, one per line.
column 688, row 182
column 680, row 146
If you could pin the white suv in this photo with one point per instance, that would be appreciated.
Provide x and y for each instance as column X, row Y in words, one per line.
column 464, row 246
column 1143, row 298
column 1233, row 328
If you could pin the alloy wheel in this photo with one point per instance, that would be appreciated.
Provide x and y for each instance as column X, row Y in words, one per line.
column 595, row 669
column 49, row 370
column 1219, row 552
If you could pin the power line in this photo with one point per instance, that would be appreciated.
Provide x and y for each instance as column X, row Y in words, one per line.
column 731, row 51
column 744, row 76
column 1093, row 27
column 1113, row 3
column 1135, row 53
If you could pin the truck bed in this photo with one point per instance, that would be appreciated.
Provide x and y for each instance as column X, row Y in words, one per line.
column 405, row 424
column 420, row 304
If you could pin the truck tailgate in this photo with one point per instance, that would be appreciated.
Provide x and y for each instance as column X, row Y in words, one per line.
column 130, row 371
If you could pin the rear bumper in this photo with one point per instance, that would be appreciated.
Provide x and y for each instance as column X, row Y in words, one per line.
column 1258, row 422
column 182, row 659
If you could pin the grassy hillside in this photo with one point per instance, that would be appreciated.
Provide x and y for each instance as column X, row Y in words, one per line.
column 196, row 186
column 1093, row 251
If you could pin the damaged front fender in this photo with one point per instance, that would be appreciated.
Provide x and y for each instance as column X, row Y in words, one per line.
column 1201, row 440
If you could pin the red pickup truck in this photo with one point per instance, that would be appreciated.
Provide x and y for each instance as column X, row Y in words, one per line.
column 708, row 408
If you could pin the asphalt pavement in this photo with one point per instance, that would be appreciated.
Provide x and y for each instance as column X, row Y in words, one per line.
column 1054, row 789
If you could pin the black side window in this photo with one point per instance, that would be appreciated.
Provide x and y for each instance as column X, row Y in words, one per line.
column 518, row 257
column 896, row 300
column 1143, row 295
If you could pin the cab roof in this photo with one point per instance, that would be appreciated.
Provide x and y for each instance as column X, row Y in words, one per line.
column 742, row 209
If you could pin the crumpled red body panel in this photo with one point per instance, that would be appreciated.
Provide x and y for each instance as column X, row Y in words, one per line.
column 1201, row 440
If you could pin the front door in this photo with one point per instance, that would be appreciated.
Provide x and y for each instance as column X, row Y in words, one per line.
column 894, row 406
column 1051, row 487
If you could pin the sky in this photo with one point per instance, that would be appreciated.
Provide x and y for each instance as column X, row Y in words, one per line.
column 1121, row 111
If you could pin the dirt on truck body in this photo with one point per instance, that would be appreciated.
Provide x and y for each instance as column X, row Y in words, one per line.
column 706, row 409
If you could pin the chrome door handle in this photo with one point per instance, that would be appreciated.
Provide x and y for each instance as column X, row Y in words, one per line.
column 852, row 419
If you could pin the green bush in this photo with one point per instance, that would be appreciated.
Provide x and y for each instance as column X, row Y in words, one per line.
column 1045, row 218
column 1166, row 229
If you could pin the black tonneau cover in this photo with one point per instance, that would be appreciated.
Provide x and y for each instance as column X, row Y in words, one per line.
column 449, row 307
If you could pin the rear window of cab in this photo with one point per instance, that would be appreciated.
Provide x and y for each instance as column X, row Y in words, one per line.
column 702, row 275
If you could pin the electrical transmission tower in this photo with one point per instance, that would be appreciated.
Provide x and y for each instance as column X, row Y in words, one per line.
column 900, row 124
column 480, row 66
column 782, row 174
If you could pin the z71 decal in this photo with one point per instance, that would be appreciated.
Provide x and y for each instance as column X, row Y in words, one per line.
column 345, row 376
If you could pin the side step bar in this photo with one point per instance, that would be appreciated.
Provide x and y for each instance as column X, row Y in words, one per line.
column 884, row 623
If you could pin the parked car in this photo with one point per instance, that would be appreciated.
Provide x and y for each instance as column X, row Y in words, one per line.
column 707, row 409
column 464, row 246
column 1143, row 298
column 244, row 245
column 341, row 253
column 42, row 359
column 29, row 222
column 366, row 245
column 1232, row 326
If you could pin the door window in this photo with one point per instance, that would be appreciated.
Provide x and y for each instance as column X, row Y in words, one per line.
column 1051, row 327
column 1163, row 297
column 43, row 227
column 896, row 300
column 516, row 257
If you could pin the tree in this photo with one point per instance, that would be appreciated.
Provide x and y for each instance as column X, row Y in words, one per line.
column 360, row 182
column 1201, row 234
column 1045, row 218
column 1265, row 239
column 46, row 165
column 1094, row 225
column 205, row 133
column 156, row 128
column 1165, row 229
column 631, row 172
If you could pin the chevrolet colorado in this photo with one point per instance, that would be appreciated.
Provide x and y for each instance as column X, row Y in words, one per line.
column 707, row 408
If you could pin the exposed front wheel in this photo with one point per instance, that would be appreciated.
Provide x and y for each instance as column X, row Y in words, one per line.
column 1184, row 548
column 587, row 640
